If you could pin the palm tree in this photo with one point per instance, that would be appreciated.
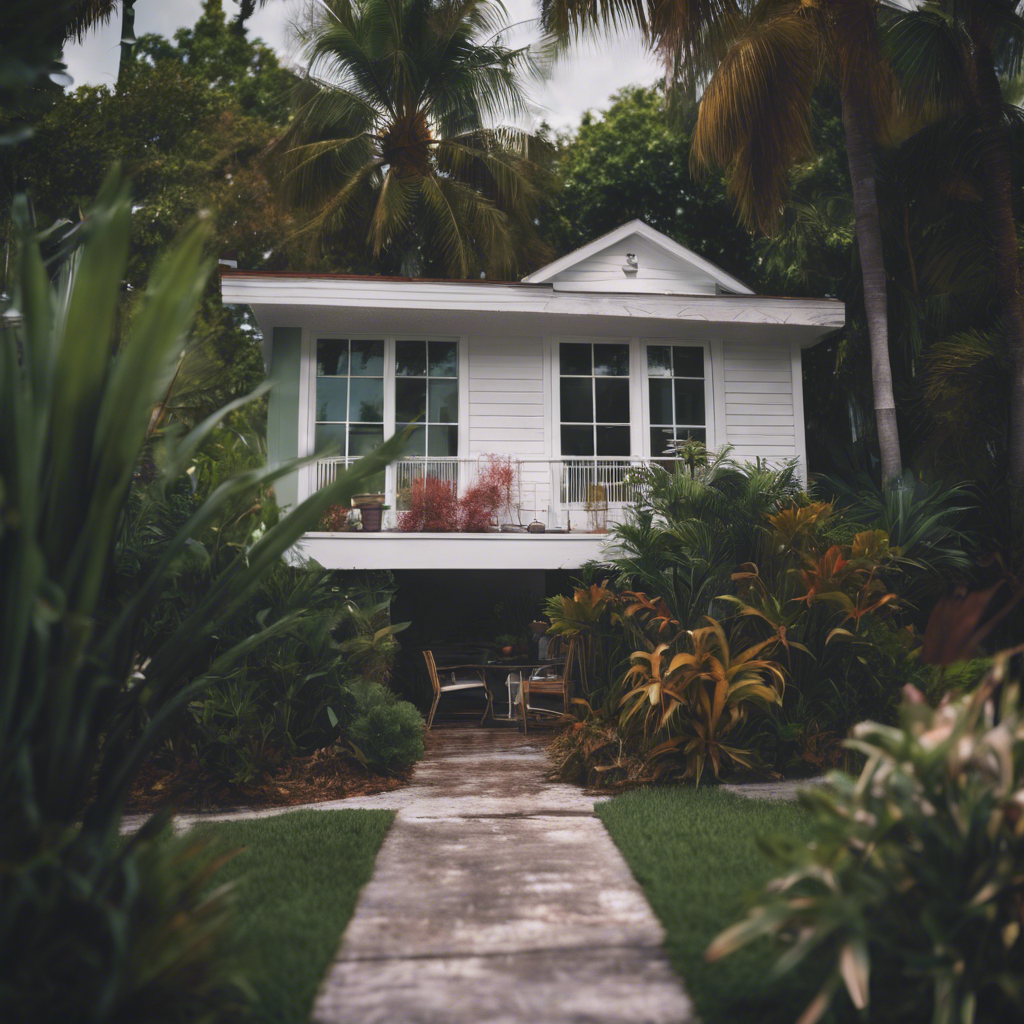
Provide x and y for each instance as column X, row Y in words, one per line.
column 764, row 59
column 396, row 137
column 950, row 55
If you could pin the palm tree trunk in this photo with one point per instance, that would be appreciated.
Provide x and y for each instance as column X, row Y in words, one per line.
column 872, row 267
column 127, row 38
column 997, row 207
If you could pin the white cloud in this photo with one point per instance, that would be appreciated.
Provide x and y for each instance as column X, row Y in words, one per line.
column 583, row 80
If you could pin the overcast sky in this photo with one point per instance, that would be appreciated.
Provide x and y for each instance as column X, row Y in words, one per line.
column 584, row 79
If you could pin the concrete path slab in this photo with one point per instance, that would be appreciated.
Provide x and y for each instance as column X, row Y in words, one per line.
column 498, row 898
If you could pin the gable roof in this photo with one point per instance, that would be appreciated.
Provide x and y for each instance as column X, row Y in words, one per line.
column 688, row 263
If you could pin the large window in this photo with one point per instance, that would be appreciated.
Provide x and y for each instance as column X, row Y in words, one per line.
column 594, row 398
column 675, row 380
column 427, row 390
column 350, row 394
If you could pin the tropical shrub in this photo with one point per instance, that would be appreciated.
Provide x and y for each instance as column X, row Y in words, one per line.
column 912, row 890
column 85, row 690
column 697, row 697
column 387, row 732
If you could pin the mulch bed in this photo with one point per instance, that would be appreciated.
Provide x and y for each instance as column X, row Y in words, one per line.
column 187, row 786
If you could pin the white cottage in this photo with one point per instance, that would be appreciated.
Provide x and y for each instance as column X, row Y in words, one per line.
column 578, row 372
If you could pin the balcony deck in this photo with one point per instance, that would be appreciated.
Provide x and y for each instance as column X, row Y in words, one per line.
column 393, row 549
column 579, row 495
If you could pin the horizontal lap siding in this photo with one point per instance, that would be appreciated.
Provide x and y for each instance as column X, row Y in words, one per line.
column 507, row 415
column 759, row 409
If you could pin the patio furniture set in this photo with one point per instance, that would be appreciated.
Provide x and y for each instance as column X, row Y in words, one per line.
column 524, row 680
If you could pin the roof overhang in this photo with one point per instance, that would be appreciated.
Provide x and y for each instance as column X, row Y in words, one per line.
column 390, row 306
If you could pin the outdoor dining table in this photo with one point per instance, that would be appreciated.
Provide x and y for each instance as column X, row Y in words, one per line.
column 508, row 667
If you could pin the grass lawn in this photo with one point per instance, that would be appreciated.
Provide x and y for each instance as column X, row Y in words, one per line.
column 297, row 882
column 696, row 855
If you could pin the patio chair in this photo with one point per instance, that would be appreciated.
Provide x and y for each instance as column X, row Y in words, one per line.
column 453, row 687
column 553, row 685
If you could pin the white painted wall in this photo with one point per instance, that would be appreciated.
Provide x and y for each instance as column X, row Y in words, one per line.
column 760, row 410
column 508, row 399
column 658, row 271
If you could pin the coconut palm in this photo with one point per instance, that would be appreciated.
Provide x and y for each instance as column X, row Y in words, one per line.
column 762, row 60
column 396, row 136
column 951, row 55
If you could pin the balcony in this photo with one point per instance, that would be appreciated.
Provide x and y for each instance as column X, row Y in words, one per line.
column 576, row 500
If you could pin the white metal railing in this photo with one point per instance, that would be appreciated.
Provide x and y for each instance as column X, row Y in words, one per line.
column 577, row 492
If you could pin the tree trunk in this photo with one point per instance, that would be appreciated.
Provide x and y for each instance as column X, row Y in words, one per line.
column 997, row 207
column 127, row 38
column 872, row 267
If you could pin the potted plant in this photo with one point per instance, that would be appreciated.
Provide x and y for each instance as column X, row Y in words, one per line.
column 597, row 508
column 506, row 643
column 371, row 510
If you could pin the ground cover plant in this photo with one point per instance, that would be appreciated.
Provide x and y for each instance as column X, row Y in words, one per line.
column 296, row 878
column 697, row 855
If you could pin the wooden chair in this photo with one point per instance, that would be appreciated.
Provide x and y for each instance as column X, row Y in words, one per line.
column 560, row 685
column 454, row 686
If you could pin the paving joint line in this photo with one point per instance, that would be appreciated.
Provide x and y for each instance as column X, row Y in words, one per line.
column 592, row 947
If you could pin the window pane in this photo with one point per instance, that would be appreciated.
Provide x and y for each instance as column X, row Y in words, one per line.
column 687, row 361
column 410, row 358
column 577, row 400
column 659, row 361
column 417, row 442
column 363, row 438
column 368, row 358
column 611, row 360
column 443, row 441
column 575, row 359
column 689, row 401
column 611, row 398
column 444, row 401
column 661, row 401
column 330, row 434
column 444, row 359
column 331, row 357
column 613, row 440
column 332, row 398
column 410, row 399
column 577, row 440
column 367, row 399
column 692, row 433
column 660, row 438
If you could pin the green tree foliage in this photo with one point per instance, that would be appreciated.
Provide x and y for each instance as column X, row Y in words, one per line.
column 399, row 140
column 632, row 161
column 188, row 124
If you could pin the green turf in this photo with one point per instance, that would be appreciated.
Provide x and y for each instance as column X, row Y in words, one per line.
column 297, row 882
column 696, row 855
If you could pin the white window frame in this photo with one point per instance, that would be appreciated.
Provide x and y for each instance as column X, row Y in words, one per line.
column 307, row 394
column 709, row 388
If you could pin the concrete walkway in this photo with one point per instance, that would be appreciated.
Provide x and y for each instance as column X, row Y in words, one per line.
column 498, row 898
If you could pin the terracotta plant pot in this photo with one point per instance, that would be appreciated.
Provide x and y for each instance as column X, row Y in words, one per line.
column 507, row 650
column 371, row 516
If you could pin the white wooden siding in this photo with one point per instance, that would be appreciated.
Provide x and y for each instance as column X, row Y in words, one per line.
column 760, row 411
column 658, row 271
column 507, row 411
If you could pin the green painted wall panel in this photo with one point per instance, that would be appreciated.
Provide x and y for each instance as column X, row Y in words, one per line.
column 283, row 411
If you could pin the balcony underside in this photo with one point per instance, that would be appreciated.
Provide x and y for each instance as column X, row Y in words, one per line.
column 394, row 550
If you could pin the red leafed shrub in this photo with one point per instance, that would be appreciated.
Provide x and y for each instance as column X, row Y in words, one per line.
column 335, row 519
column 433, row 507
column 478, row 508
column 499, row 476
